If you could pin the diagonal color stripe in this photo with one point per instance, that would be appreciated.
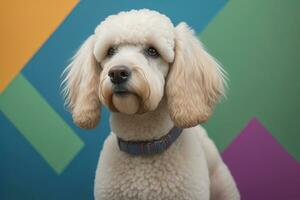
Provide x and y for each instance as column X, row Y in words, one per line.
column 25, row 25
column 40, row 124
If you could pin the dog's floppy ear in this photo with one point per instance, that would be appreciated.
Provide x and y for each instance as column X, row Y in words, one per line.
column 195, row 81
column 81, row 85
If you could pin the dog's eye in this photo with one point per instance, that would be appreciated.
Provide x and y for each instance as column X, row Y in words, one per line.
column 111, row 51
column 152, row 52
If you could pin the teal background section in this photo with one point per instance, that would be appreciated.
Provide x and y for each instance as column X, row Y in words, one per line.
column 258, row 44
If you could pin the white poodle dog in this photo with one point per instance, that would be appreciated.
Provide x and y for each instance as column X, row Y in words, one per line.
column 159, row 83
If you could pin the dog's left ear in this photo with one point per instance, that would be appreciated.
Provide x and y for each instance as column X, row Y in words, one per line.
column 81, row 86
column 195, row 81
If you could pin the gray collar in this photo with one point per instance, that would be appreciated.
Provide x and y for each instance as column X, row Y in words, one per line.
column 142, row 148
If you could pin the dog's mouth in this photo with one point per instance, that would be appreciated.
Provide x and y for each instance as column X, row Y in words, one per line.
column 124, row 101
column 121, row 91
column 124, row 98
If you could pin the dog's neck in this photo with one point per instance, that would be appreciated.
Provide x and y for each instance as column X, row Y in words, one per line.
column 142, row 127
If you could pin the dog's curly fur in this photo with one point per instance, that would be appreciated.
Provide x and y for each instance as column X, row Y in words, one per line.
column 178, row 87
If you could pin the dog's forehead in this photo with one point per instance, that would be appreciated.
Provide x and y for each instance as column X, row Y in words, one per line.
column 136, row 27
column 135, row 19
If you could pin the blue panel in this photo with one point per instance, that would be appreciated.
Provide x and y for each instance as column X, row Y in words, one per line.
column 25, row 175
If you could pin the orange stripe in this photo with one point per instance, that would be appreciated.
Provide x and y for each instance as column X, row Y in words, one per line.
column 25, row 26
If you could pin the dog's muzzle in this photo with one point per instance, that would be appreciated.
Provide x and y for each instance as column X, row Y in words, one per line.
column 119, row 74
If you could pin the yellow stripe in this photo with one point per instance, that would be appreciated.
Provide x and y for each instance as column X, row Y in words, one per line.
column 25, row 26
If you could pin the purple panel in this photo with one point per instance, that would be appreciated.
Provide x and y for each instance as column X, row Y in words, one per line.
column 262, row 168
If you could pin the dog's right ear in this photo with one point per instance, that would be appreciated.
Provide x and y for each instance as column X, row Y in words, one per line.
column 195, row 81
column 81, row 85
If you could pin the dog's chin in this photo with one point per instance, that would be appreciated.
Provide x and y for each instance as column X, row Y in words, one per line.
column 126, row 102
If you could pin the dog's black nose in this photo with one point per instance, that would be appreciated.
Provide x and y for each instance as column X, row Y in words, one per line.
column 119, row 74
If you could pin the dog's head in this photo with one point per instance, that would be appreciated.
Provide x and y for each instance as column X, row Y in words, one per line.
column 136, row 58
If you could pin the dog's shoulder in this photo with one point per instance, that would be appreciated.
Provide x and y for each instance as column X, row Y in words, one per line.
column 211, row 152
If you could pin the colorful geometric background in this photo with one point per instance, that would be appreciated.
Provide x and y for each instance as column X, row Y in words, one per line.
column 45, row 156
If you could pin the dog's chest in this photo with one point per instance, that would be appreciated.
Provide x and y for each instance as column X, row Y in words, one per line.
column 170, row 175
